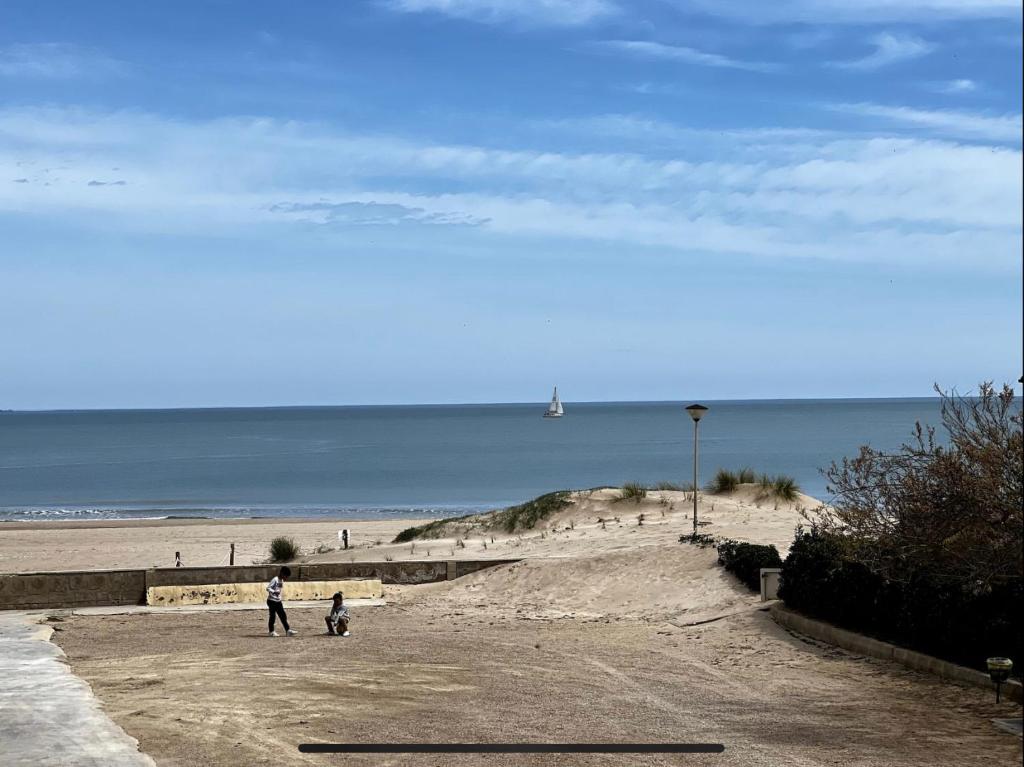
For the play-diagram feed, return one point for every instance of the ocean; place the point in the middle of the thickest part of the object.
(414, 461)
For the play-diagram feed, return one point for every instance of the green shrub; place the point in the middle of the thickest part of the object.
(745, 560)
(634, 491)
(821, 578)
(703, 540)
(526, 515)
(725, 481)
(746, 476)
(283, 549)
(438, 528)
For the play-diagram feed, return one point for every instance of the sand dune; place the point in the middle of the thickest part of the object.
(599, 521)
(595, 559)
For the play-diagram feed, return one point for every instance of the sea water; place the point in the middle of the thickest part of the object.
(364, 462)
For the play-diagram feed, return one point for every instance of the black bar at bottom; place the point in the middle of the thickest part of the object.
(511, 748)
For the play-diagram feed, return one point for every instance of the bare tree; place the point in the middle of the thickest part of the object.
(950, 511)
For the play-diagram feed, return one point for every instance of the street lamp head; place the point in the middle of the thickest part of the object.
(696, 412)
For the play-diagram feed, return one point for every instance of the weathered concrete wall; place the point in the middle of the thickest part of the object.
(387, 572)
(97, 588)
(195, 576)
(876, 648)
(231, 593)
(467, 566)
(32, 591)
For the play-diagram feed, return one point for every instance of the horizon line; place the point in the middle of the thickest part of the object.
(531, 403)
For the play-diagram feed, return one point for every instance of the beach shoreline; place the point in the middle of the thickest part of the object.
(111, 544)
(88, 524)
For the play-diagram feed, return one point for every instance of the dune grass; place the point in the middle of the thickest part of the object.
(526, 515)
(435, 529)
(785, 488)
(781, 486)
(672, 486)
(633, 491)
(725, 481)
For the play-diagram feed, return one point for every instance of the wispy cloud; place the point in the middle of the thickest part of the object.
(647, 49)
(851, 11)
(953, 87)
(971, 125)
(900, 200)
(57, 61)
(366, 214)
(532, 12)
(889, 49)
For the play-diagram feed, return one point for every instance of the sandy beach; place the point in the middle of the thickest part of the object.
(609, 629)
(112, 544)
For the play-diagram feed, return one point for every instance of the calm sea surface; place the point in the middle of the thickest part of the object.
(413, 461)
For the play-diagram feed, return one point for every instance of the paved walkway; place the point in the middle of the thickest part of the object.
(48, 716)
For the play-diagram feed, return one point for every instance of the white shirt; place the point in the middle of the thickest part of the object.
(274, 589)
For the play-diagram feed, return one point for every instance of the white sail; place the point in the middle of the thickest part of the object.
(555, 408)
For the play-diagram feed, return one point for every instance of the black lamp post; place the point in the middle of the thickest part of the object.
(696, 413)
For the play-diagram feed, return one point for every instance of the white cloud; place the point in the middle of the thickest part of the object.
(902, 200)
(366, 214)
(971, 125)
(889, 49)
(647, 49)
(955, 86)
(851, 11)
(56, 61)
(533, 12)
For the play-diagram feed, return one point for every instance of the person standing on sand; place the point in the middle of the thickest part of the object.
(274, 604)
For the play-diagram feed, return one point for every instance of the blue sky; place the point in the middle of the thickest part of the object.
(389, 201)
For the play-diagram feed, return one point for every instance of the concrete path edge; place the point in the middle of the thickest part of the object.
(51, 717)
(876, 648)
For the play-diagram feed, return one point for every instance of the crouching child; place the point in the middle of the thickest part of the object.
(337, 621)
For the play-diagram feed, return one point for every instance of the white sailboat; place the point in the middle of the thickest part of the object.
(555, 408)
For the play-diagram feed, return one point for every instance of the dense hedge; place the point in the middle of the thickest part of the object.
(745, 560)
(940, 619)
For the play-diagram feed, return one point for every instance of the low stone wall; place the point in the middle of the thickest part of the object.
(195, 576)
(876, 648)
(388, 572)
(232, 593)
(33, 591)
(99, 588)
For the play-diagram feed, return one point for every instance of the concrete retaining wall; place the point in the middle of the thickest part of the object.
(98, 588)
(231, 593)
(31, 591)
(876, 648)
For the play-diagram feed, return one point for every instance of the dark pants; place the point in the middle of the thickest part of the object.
(277, 611)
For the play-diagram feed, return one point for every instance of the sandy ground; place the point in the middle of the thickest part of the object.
(112, 544)
(600, 522)
(211, 689)
(608, 630)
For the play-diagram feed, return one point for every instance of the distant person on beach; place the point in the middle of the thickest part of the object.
(337, 621)
(274, 604)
